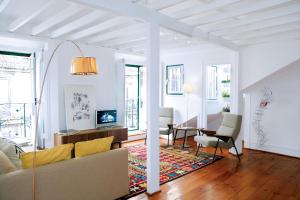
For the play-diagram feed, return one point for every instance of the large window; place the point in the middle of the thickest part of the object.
(174, 79)
(16, 99)
(212, 89)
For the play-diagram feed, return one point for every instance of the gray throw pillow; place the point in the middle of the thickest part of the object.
(9, 150)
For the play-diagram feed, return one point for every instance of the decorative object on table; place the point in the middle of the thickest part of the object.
(80, 66)
(174, 79)
(225, 136)
(174, 163)
(226, 108)
(263, 104)
(80, 106)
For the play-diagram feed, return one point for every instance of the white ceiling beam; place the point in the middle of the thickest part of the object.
(200, 8)
(129, 30)
(260, 5)
(99, 27)
(271, 38)
(61, 16)
(21, 21)
(122, 40)
(160, 5)
(256, 26)
(78, 23)
(4, 4)
(143, 13)
(252, 18)
(266, 31)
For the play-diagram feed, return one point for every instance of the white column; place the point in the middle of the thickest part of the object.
(153, 108)
(235, 106)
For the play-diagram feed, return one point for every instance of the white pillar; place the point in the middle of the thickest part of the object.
(235, 106)
(153, 108)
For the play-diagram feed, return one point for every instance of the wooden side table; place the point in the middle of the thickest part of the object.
(185, 129)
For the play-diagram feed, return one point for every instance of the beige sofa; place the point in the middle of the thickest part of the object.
(100, 176)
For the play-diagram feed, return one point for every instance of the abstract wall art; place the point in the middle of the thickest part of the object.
(80, 106)
(262, 105)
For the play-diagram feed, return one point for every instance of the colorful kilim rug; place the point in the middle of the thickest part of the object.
(174, 163)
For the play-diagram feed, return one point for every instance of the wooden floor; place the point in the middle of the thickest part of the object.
(259, 176)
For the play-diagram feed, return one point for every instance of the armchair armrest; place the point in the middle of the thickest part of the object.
(208, 132)
(171, 126)
(223, 137)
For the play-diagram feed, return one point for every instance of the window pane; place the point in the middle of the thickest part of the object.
(174, 79)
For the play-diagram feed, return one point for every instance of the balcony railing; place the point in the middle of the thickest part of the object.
(16, 120)
(131, 114)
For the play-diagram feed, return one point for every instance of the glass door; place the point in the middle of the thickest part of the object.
(132, 97)
(17, 81)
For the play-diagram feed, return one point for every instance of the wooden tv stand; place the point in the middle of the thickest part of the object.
(72, 136)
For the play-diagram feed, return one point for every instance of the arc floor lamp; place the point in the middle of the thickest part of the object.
(80, 66)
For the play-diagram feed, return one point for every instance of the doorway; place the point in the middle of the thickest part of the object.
(132, 97)
(218, 94)
(17, 106)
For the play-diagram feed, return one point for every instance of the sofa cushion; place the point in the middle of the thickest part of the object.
(9, 150)
(6, 165)
(48, 156)
(93, 146)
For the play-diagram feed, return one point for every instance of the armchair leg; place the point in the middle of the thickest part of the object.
(146, 140)
(237, 153)
(221, 150)
(198, 149)
(175, 137)
(216, 149)
(168, 138)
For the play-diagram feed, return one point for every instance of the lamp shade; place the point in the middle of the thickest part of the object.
(188, 88)
(84, 66)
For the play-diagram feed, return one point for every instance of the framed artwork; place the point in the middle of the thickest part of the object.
(174, 77)
(80, 106)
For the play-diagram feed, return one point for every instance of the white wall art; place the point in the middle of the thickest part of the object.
(263, 104)
(80, 105)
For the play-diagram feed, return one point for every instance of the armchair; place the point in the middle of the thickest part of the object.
(165, 122)
(225, 136)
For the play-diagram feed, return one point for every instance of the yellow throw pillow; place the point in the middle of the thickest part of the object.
(48, 156)
(93, 146)
(6, 165)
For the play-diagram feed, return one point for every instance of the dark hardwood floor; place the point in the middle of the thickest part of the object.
(259, 176)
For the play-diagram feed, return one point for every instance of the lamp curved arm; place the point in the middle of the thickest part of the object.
(38, 111)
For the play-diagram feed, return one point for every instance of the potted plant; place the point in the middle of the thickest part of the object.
(225, 81)
(225, 94)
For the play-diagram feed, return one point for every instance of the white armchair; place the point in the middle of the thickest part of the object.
(225, 136)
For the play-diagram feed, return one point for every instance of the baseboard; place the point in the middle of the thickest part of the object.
(273, 149)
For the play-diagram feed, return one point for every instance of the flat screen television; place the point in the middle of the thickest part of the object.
(106, 117)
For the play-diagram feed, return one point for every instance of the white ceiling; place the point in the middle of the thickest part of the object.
(238, 22)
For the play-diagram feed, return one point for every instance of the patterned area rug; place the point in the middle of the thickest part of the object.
(174, 163)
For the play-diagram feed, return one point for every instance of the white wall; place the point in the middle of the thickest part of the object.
(281, 119)
(59, 75)
(194, 63)
(258, 61)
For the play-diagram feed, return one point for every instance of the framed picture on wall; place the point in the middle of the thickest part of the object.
(174, 78)
(80, 106)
